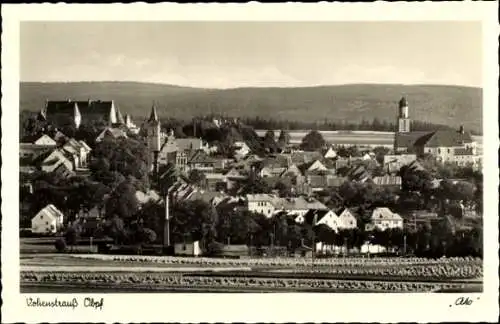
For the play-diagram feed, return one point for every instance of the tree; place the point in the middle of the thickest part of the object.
(313, 141)
(123, 201)
(115, 228)
(73, 234)
(197, 177)
(60, 244)
(254, 185)
(380, 152)
(283, 139)
(284, 190)
(269, 142)
(465, 191)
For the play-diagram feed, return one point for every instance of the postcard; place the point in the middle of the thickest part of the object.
(250, 162)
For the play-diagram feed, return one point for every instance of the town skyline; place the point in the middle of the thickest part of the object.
(253, 54)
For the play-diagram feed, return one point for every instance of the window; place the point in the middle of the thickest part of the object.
(46, 223)
(41, 216)
(439, 151)
(449, 150)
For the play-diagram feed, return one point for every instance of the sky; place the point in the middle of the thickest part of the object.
(253, 54)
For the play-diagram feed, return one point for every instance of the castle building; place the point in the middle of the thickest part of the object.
(153, 140)
(73, 113)
(448, 146)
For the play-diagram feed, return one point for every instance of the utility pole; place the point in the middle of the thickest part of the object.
(313, 252)
(166, 227)
(404, 245)
(345, 246)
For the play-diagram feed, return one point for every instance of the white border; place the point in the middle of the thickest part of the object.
(251, 307)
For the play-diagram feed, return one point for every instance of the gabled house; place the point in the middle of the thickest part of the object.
(262, 203)
(315, 167)
(47, 221)
(79, 150)
(383, 218)
(111, 132)
(274, 166)
(347, 220)
(330, 153)
(63, 171)
(358, 173)
(240, 149)
(45, 140)
(394, 162)
(317, 217)
(201, 161)
(51, 161)
(29, 152)
(302, 157)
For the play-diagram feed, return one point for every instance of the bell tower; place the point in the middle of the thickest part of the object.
(403, 118)
(153, 139)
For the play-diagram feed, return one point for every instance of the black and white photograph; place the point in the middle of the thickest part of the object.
(243, 157)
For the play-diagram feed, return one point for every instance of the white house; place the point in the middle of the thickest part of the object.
(187, 249)
(45, 140)
(110, 132)
(80, 152)
(262, 203)
(297, 206)
(48, 220)
(330, 153)
(347, 220)
(383, 218)
(54, 160)
(326, 217)
(317, 166)
(241, 149)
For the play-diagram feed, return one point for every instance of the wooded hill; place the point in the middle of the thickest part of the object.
(448, 105)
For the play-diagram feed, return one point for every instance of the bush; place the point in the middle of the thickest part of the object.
(60, 245)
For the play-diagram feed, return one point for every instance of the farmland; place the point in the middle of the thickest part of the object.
(363, 138)
(81, 272)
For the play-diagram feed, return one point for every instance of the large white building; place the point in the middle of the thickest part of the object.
(383, 218)
(48, 220)
(448, 146)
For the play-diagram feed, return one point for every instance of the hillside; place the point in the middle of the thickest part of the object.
(450, 105)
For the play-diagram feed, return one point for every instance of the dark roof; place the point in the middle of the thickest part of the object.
(201, 156)
(444, 138)
(309, 216)
(61, 112)
(464, 151)
(153, 117)
(403, 102)
(409, 139)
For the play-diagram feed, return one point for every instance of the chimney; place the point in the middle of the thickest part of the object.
(461, 129)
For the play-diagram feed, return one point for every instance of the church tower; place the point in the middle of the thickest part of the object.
(153, 139)
(403, 118)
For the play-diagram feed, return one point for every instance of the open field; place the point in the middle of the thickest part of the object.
(366, 138)
(108, 273)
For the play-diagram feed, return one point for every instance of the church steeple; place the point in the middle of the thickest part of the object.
(153, 117)
(153, 139)
(403, 116)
